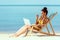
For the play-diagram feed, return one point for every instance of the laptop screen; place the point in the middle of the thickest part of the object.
(26, 21)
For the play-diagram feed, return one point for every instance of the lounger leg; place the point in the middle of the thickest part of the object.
(26, 33)
(31, 30)
(47, 29)
(52, 28)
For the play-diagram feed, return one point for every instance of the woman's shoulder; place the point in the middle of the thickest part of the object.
(47, 19)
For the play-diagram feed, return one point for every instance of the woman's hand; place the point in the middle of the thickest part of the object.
(37, 16)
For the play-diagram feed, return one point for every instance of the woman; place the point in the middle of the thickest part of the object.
(40, 23)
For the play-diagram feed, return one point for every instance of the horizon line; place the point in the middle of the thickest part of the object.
(29, 5)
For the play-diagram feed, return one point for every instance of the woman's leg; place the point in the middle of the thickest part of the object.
(22, 30)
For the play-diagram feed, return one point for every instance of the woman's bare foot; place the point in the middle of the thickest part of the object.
(14, 35)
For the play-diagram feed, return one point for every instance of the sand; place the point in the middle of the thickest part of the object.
(5, 36)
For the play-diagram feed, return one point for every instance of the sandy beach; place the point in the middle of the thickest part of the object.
(5, 36)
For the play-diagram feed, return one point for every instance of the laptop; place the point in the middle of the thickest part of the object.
(26, 21)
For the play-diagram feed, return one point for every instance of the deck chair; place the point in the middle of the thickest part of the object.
(48, 32)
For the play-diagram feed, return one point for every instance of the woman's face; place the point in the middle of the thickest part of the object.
(43, 13)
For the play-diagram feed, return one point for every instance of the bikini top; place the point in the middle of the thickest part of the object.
(40, 22)
(43, 21)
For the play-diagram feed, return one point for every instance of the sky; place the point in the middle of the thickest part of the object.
(29, 2)
(11, 17)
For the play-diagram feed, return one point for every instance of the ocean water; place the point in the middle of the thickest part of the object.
(11, 16)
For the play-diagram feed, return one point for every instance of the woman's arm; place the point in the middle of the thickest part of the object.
(37, 17)
(45, 22)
